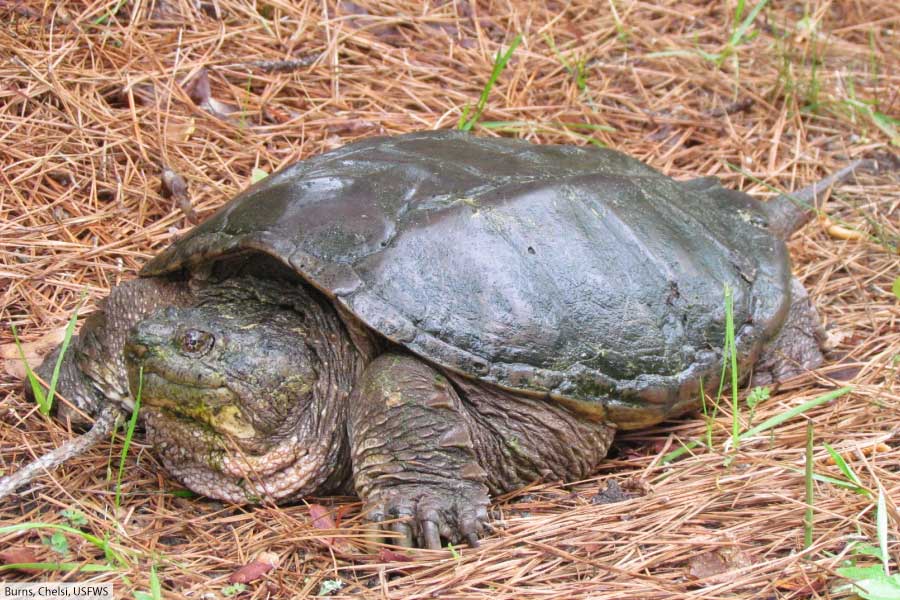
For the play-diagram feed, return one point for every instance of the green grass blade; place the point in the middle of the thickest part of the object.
(685, 448)
(793, 412)
(63, 347)
(810, 489)
(842, 464)
(738, 13)
(769, 424)
(91, 539)
(706, 416)
(129, 433)
(104, 19)
(738, 34)
(829, 480)
(881, 529)
(731, 348)
(466, 121)
(39, 397)
(63, 566)
(155, 587)
(840, 483)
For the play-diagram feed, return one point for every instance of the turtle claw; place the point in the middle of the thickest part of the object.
(405, 532)
(432, 535)
(457, 515)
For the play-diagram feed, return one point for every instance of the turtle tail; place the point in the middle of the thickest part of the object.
(789, 212)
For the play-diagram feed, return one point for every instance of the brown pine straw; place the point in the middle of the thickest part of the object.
(93, 106)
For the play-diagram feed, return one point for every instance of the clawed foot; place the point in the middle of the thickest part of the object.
(421, 515)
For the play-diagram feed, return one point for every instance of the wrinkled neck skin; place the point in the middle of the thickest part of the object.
(262, 417)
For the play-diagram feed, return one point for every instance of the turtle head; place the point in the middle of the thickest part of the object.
(233, 399)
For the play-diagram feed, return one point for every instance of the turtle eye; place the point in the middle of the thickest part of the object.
(196, 342)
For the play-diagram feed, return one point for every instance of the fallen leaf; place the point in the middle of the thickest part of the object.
(387, 555)
(38, 347)
(181, 130)
(34, 352)
(14, 556)
(802, 584)
(708, 564)
(839, 373)
(350, 126)
(256, 569)
(613, 493)
(175, 187)
(199, 90)
(321, 519)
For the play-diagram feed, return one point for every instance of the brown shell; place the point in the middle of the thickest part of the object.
(579, 273)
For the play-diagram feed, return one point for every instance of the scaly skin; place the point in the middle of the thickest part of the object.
(413, 453)
(254, 390)
(423, 450)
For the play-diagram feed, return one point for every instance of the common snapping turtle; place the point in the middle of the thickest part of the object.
(432, 318)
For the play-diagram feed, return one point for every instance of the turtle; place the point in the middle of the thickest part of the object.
(431, 319)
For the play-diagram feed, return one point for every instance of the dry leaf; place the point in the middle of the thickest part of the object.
(611, 494)
(34, 352)
(13, 556)
(708, 564)
(175, 187)
(803, 584)
(265, 562)
(180, 130)
(199, 90)
(321, 519)
(387, 555)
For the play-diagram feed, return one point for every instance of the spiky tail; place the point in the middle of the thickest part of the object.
(789, 212)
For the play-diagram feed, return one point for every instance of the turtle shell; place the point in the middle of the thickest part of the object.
(576, 273)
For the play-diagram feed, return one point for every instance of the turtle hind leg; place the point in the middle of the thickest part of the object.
(412, 451)
(797, 347)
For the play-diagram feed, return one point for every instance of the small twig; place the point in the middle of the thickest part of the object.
(103, 427)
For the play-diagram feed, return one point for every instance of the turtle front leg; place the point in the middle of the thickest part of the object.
(413, 454)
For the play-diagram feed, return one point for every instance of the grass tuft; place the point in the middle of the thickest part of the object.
(467, 121)
(809, 487)
(45, 401)
(129, 434)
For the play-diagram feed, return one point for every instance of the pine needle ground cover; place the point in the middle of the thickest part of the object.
(123, 123)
